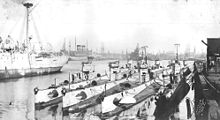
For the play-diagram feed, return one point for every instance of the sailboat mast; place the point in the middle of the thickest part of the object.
(27, 5)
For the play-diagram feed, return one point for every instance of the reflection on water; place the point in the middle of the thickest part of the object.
(53, 110)
(17, 96)
(50, 113)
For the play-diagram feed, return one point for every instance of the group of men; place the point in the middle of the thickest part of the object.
(9, 45)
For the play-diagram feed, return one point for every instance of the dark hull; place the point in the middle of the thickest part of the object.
(18, 73)
(39, 106)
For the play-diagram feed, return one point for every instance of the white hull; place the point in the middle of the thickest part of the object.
(14, 65)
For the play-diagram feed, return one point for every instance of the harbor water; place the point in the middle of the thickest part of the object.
(17, 96)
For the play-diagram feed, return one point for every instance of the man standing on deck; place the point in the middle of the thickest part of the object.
(9, 44)
(1, 42)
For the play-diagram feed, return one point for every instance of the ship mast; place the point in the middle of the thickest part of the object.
(75, 44)
(177, 57)
(28, 5)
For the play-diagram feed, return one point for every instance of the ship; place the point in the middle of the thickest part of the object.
(81, 52)
(207, 88)
(22, 61)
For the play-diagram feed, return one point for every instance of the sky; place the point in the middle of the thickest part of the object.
(117, 24)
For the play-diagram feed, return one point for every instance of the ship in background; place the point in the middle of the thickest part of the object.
(21, 60)
(81, 53)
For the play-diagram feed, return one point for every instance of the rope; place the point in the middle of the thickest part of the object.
(37, 32)
(21, 35)
(208, 82)
(35, 26)
(14, 26)
(35, 6)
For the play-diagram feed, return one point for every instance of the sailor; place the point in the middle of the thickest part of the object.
(8, 39)
(1, 42)
(9, 43)
(1, 39)
(126, 65)
(73, 78)
(23, 47)
(150, 74)
(171, 78)
(130, 73)
(143, 77)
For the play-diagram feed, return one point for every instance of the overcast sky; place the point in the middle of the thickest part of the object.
(118, 24)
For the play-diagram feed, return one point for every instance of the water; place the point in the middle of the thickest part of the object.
(17, 96)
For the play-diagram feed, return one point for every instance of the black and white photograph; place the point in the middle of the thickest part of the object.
(109, 60)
